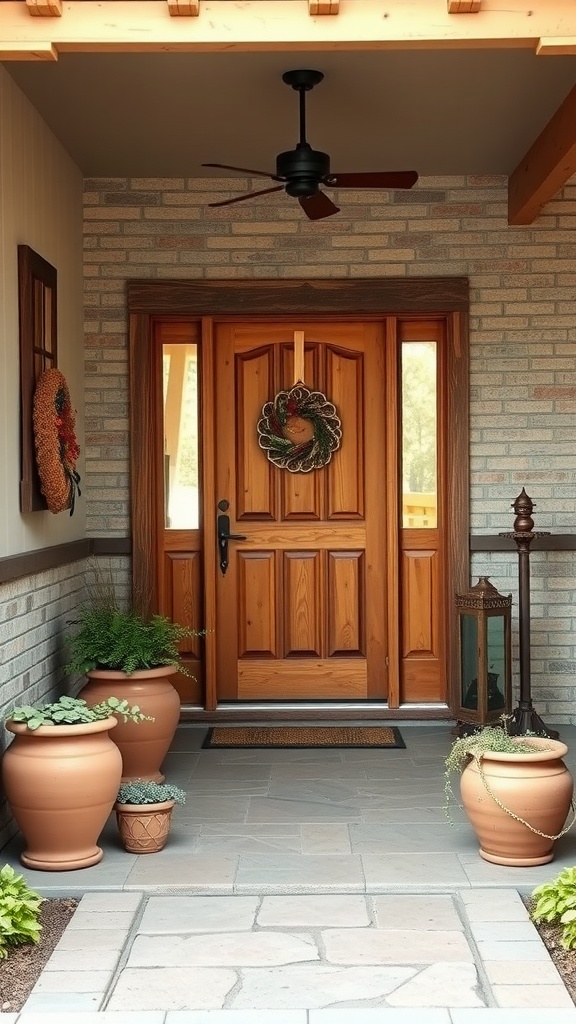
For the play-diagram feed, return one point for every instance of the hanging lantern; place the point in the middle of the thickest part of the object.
(485, 678)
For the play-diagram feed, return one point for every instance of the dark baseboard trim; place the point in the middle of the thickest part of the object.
(15, 567)
(553, 542)
(101, 546)
(336, 714)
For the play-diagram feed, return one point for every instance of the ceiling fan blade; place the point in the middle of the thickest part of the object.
(244, 170)
(248, 195)
(318, 205)
(373, 179)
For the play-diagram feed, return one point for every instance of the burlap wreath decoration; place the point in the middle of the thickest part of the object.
(299, 430)
(56, 447)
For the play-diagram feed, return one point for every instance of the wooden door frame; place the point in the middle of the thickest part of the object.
(361, 298)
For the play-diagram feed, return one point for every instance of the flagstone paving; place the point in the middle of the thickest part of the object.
(322, 887)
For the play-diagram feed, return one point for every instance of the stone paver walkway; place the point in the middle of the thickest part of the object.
(302, 887)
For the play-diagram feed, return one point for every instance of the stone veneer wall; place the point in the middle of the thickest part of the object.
(523, 341)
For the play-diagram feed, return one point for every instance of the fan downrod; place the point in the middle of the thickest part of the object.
(302, 78)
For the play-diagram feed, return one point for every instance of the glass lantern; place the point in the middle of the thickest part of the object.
(485, 679)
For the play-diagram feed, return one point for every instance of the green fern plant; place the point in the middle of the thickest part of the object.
(19, 911)
(109, 638)
(555, 902)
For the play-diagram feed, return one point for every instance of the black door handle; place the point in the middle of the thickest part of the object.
(224, 536)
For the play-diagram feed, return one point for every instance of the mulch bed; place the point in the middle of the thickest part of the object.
(20, 972)
(563, 959)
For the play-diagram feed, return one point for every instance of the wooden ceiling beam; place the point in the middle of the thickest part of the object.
(323, 6)
(464, 6)
(184, 8)
(45, 8)
(546, 167)
(133, 26)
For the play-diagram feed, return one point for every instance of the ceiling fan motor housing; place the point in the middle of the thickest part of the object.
(304, 168)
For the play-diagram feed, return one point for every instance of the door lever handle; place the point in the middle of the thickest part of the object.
(224, 536)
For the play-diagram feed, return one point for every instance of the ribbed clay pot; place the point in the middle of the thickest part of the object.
(536, 787)
(61, 782)
(143, 745)
(144, 828)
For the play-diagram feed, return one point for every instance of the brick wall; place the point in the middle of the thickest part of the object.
(34, 613)
(523, 340)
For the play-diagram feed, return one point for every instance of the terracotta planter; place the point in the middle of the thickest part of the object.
(144, 828)
(535, 787)
(61, 782)
(143, 745)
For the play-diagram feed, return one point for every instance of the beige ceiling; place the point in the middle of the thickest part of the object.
(437, 112)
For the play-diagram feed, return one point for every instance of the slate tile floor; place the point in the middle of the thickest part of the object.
(340, 886)
(307, 821)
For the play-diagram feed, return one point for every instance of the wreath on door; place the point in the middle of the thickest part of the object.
(57, 449)
(299, 429)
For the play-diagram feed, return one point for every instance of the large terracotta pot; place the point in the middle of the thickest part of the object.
(144, 828)
(61, 782)
(143, 745)
(535, 787)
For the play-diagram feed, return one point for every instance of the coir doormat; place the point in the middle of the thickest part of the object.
(308, 736)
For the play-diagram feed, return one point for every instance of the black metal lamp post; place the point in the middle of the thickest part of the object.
(524, 718)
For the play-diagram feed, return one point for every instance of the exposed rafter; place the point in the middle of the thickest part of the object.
(184, 8)
(323, 6)
(464, 6)
(548, 164)
(140, 26)
(45, 8)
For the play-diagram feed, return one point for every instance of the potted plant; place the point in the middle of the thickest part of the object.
(61, 774)
(516, 792)
(144, 814)
(132, 657)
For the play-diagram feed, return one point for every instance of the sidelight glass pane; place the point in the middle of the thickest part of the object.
(181, 470)
(419, 435)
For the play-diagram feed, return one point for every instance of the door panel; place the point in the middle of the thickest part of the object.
(301, 610)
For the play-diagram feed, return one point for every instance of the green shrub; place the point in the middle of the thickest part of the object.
(19, 911)
(556, 902)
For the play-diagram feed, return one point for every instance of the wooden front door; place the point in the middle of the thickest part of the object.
(301, 611)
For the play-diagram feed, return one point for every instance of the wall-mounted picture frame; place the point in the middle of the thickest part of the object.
(37, 304)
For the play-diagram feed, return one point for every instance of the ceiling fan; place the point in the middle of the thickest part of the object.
(302, 170)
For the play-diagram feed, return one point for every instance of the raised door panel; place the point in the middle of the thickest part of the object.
(345, 473)
(255, 493)
(257, 603)
(183, 602)
(423, 673)
(346, 581)
(301, 600)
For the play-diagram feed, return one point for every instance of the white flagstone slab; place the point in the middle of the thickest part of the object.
(445, 984)
(246, 949)
(173, 914)
(316, 986)
(172, 988)
(422, 912)
(310, 911)
(389, 946)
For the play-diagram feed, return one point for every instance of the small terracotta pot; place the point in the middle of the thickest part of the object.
(61, 782)
(143, 745)
(536, 787)
(144, 828)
